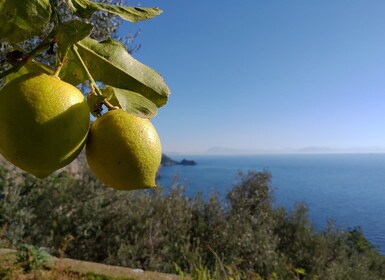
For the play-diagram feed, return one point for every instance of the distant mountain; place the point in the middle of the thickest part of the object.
(304, 150)
(316, 149)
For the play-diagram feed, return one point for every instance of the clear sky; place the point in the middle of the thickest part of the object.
(268, 74)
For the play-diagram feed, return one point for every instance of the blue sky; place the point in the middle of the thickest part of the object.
(268, 75)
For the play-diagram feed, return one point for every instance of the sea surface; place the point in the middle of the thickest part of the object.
(346, 188)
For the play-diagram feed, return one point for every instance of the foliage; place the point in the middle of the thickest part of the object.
(54, 40)
(105, 26)
(32, 258)
(72, 40)
(70, 213)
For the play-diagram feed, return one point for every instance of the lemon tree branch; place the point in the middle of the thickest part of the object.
(26, 58)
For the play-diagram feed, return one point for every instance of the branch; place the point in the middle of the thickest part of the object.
(25, 59)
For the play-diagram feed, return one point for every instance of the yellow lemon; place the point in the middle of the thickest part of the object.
(44, 123)
(124, 151)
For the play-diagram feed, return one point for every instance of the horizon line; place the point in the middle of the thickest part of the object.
(305, 150)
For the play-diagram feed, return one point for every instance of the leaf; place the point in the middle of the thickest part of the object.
(110, 63)
(69, 33)
(72, 72)
(130, 102)
(300, 271)
(30, 67)
(21, 20)
(85, 8)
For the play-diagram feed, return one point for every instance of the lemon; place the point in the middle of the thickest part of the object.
(124, 151)
(44, 123)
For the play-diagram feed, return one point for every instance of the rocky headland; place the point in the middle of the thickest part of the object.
(167, 161)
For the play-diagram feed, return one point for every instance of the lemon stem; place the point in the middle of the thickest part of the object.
(58, 68)
(60, 62)
(94, 87)
(109, 105)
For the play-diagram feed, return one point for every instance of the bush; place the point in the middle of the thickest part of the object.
(71, 214)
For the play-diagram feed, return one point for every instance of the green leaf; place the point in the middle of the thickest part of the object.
(131, 102)
(21, 20)
(300, 271)
(69, 33)
(30, 67)
(85, 8)
(72, 72)
(110, 63)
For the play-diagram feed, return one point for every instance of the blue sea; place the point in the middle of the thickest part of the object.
(346, 188)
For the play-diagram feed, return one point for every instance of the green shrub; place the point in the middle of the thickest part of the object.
(72, 214)
(32, 258)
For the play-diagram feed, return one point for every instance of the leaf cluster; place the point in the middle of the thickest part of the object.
(31, 258)
(72, 40)
(243, 237)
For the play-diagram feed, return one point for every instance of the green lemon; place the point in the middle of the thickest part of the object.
(124, 151)
(23, 19)
(44, 123)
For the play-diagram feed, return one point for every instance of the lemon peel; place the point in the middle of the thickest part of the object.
(124, 151)
(44, 123)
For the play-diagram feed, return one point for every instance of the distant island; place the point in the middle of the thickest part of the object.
(167, 161)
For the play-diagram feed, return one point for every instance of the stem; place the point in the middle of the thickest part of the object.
(60, 63)
(94, 87)
(93, 84)
(219, 260)
(58, 21)
(10, 71)
(38, 50)
(58, 69)
(109, 105)
(25, 59)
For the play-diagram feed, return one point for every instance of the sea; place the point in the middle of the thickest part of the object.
(348, 189)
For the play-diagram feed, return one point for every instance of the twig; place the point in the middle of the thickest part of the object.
(219, 260)
(25, 59)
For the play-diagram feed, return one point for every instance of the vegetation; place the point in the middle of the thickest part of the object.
(47, 127)
(34, 263)
(105, 26)
(72, 214)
